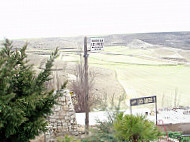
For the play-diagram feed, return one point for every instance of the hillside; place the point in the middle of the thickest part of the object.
(136, 65)
(180, 40)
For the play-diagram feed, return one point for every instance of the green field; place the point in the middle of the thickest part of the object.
(142, 74)
(135, 64)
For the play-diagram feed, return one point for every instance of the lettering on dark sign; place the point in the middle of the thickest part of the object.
(141, 101)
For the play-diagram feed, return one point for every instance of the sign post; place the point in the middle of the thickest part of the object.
(96, 44)
(143, 100)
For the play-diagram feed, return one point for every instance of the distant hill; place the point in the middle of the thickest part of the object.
(179, 40)
(169, 39)
(136, 43)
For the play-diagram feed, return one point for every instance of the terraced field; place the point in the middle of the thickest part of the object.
(135, 65)
(146, 72)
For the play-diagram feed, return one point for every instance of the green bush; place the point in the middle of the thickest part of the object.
(104, 132)
(24, 99)
(67, 138)
(135, 128)
(174, 135)
(185, 139)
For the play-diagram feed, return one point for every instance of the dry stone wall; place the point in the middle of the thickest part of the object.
(63, 120)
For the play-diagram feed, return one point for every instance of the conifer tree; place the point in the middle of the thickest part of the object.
(24, 99)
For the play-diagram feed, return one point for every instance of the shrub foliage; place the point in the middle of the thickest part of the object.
(24, 99)
(135, 128)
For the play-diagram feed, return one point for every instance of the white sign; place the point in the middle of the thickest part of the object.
(97, 44)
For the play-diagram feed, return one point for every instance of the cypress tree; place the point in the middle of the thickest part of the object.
(24, 99)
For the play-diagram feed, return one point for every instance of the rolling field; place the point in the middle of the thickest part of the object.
(136, 65)
(143, 73)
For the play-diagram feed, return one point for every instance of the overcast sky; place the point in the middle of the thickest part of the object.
(57, 18)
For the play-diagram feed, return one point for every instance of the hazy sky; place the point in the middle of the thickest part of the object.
(55, 18)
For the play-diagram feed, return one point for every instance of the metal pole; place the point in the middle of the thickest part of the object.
(86, 85)
(156, 109)
(131, 113)
(130, 109)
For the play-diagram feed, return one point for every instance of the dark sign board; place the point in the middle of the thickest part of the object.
(141, 101)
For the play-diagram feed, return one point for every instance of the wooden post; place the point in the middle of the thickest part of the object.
(86, 85)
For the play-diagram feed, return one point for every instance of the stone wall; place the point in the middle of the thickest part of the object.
(63, 120)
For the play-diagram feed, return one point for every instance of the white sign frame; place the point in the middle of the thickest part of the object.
(96, 44)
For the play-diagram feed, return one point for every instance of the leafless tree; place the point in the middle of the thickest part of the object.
(78, 87)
